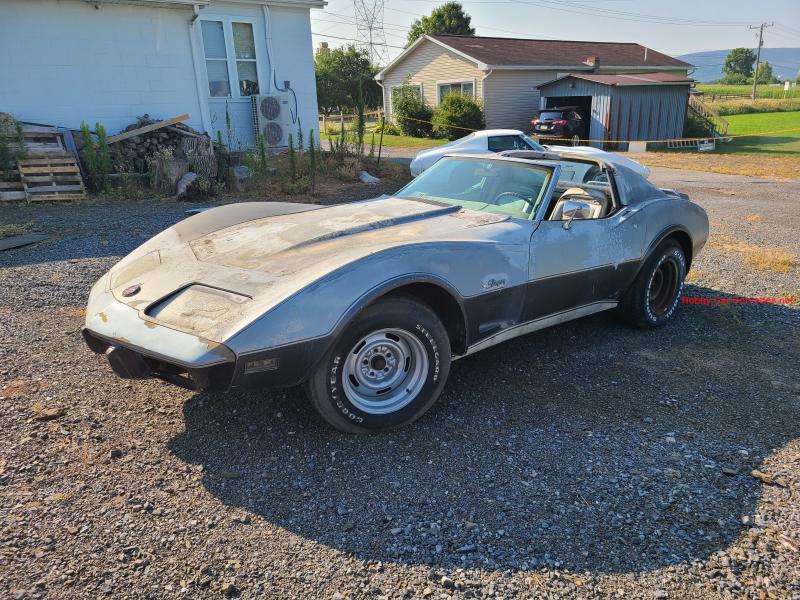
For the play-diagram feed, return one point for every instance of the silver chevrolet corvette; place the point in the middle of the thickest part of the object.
(368, 303)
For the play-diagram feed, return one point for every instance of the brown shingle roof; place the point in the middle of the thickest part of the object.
(628, 79)
(521, 52)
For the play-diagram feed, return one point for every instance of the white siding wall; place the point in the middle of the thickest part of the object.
(294, 60)
(65, 62)
(512, 99)
(427, 64)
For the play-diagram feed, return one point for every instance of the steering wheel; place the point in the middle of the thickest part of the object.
(517, 195)
(595, 175)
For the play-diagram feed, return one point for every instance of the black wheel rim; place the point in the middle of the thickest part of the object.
(664, 287)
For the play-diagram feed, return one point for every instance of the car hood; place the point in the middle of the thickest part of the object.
(214, 283)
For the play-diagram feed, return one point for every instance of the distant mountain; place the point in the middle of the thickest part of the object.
(785, 62)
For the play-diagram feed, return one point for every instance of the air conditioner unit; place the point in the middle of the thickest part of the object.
(272, 119)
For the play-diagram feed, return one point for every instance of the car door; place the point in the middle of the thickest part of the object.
(587, 265)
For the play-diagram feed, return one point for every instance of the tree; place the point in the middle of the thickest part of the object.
(765, 74)
(739, 62)
(345, 80)
(448, 18)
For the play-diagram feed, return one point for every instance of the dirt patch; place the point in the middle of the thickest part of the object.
(759, 258)
(754, 165)
(754, 218)
(19, 388)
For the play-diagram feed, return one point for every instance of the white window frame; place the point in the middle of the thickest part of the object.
(473, 81)
(230, 52)
(392, 88)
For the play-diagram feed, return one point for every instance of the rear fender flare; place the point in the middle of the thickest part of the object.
(664, 234)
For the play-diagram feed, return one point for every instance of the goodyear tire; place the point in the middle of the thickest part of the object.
(385, 370)
(654, 297)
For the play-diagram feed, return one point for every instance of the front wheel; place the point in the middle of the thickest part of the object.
(385, 370)
(655, 294)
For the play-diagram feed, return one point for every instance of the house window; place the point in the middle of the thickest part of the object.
(465, 88)
(245, 46)
(397, 91)
(410, 88)
(230, 52)
(216, 58)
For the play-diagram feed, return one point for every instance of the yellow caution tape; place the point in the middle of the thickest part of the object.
(687, 139)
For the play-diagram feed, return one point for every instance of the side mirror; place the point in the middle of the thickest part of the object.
(575, 209)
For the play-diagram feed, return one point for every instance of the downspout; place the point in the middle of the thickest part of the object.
(268, 29)
(202, 100)
(483, 93)
(383, 95)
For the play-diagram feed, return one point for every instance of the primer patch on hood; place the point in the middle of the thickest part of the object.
(250, 245)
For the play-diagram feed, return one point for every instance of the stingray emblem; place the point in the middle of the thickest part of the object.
(493, 281)
(131, 290)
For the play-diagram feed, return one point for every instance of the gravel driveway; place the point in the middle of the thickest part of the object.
(588, 460)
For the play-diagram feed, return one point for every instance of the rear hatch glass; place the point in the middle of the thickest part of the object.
(550, 116)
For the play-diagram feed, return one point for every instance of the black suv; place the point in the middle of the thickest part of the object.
(562, 122)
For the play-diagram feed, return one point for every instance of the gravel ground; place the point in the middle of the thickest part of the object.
(584, 461)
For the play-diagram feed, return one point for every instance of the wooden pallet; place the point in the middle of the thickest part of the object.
(40, 139)
(12, 190)
(51, 177)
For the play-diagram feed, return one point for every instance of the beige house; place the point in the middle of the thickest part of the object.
(503, 73)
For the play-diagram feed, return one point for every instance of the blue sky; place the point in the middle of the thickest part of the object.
(674, 27)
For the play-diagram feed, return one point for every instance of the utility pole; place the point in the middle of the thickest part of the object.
(758, 52)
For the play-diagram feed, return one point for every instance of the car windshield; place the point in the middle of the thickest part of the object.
(551, 115)
(489, 185)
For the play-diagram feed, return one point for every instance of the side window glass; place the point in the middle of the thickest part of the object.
(499, 143)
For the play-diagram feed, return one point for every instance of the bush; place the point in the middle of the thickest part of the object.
(388, 128)
(412, 115)
(11, 133)
(456, 116)
(96, 157)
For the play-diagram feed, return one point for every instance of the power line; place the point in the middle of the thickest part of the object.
(629, 16)
(347, 39)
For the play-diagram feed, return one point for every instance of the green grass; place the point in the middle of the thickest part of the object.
(764, 91)
(787, 143)
(399, 141)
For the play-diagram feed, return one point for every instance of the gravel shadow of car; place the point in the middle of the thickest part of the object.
(587, 446)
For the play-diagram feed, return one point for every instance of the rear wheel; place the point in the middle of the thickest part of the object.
(385, 370)
(655, 294)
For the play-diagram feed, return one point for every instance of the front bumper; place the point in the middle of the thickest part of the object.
(129, 363)
(286, 366)
(139, 348)
(549, 132)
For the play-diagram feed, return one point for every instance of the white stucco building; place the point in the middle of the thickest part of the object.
(109, 61)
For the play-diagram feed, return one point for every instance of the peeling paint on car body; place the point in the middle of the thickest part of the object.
(237, 281)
